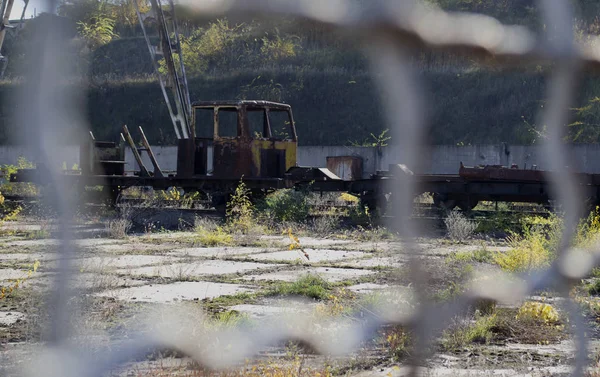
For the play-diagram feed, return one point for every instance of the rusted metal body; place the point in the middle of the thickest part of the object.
(102, 158)
(243, 139)
(348, 168)
(498, 172)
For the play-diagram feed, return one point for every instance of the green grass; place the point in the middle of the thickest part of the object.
(312, 286)
(463, 334)
(214, 237)
(480, 255)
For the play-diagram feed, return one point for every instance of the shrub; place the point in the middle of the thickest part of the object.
(538, 312)
(214, 237)
(588, 230)
(118, 228)
(458, 226)
(535, 248)
(286, 205)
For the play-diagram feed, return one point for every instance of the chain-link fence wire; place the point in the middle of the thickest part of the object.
(390, 31)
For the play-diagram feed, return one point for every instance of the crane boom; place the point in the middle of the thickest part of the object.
(180, 105)
(5, 11)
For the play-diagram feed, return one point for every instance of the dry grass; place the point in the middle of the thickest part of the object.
(266, 368)
(459, 228)
(118, 228)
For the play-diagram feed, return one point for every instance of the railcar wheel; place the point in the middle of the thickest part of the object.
(468, 204)
(442, 201)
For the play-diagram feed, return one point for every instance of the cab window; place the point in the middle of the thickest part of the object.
(228, 122)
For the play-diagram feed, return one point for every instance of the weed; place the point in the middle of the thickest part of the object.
(286, 205)
(480, 255)
(459, 227)
(361, 214)
(118, 228)
(295, 244)
(207, 224)
(456, 284)
(464, 332)
(312, 286)
(526, 253)
(397, 342)
(336, 305)
(216, 237)
(530, 328)
(588, 230)
(240, 209)
(594, 287)
(325, 225)
(538, 312)
(230, 318)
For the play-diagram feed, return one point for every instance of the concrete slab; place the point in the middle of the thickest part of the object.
(23, 257)
(315, 255)
(307, 241)
(169, 236)
(367, 287)
(222, 252)
(32, 243)
(132, 247)
(258, 311)
(389, 262)
(200, 268)
(9, 318)
(329, 274)
(86, 281)
(11, 273)
(180, 291)
(123, 261)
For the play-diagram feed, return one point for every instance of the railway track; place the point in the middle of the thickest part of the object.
(203, 208)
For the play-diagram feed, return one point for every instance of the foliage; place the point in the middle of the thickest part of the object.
(482, 255)
(295, 244)
(240, 209)
(286, 205)
(594, 287)
(24, 189)
(397, 341)
(361, 214)
(312, 286)
(204, 47)
(459, 228)
(533, 249)
(503, 221)
(277, 47)
(336, 305)
(380, 140)
(97, 27)
(538, 312)
(464, 332)
(588, 229)
(214, 237)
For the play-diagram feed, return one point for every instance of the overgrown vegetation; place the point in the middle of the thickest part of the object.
(312, 286)
(286, 205)
(323, 75)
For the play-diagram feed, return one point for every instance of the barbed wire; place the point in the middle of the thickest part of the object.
(389, 31)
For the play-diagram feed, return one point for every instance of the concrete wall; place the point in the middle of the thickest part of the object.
(440, 159)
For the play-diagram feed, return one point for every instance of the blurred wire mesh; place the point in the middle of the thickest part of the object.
(390, 32)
